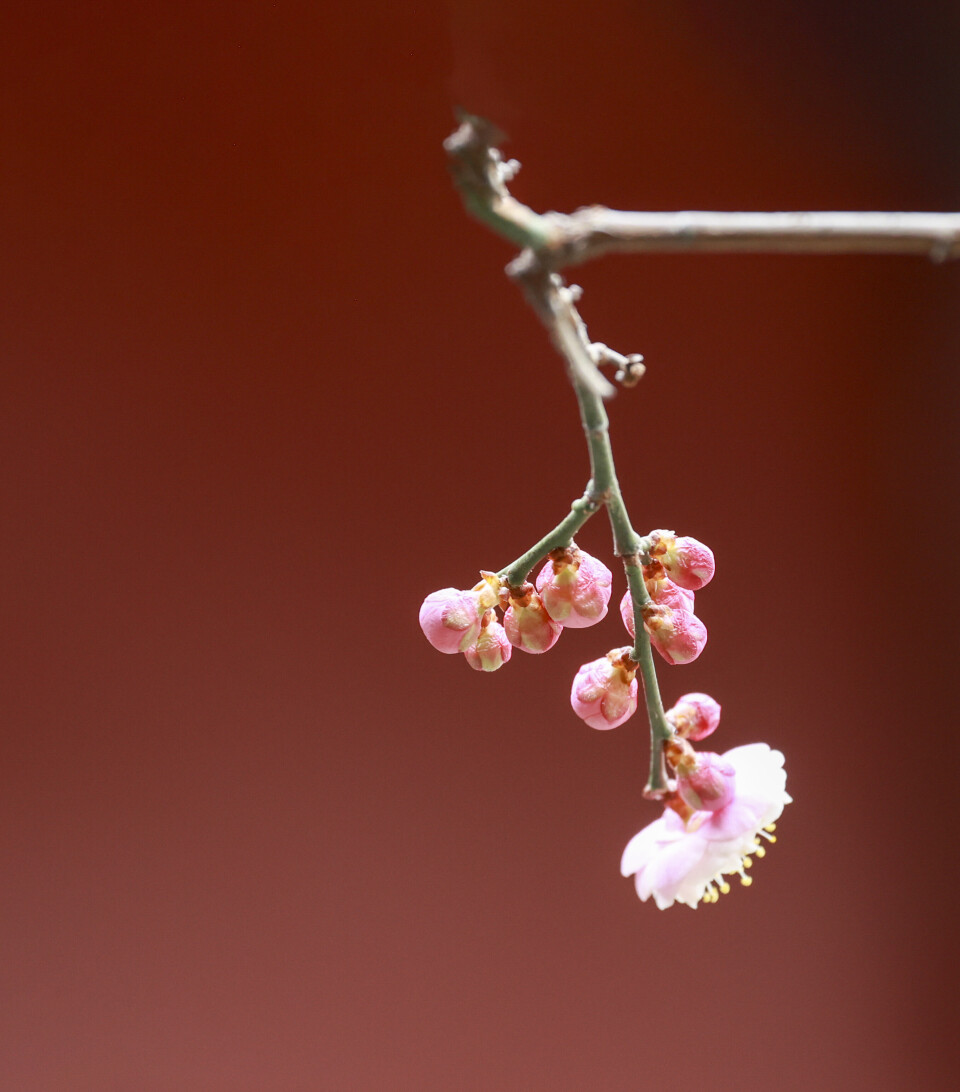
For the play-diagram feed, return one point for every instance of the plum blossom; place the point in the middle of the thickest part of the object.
(686, 861)
(663, 592)
(450, 619)
(675, 631)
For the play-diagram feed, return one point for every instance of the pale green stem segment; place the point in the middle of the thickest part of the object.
(660, 730)
(604, 489)
(562, 535)
(629, 546)
(480, 175)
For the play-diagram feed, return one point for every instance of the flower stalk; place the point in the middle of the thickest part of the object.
(627, 545)
(581, 510)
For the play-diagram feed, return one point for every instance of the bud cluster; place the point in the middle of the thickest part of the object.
(719, 809)
(572, 591)
(678, 567)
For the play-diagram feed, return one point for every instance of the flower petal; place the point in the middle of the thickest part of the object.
(641, 847)
(673, 868)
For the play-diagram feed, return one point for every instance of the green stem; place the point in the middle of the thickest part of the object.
(627, 545)
(478, 174)
(562, 535)
(660, 730)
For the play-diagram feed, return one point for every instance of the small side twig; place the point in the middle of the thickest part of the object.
(552, 241)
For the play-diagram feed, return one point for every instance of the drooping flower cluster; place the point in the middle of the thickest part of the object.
(572, 591)
(678, 567)
(718, 809)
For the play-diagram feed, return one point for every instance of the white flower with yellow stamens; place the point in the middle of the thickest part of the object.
(677, 861)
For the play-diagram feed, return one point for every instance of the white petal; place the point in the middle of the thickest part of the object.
(676, 866)
(642, 846)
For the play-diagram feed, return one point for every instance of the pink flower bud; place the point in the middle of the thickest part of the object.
(662, 590)
(685, 560)
(678, 635)
(491, 650)
(604, 692)
(575, 587)
(694, 716)
(626, 613)
(527, 624)
(450, 619)
(710, 785)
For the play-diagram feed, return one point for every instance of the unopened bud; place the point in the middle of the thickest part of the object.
(527, 624)
(709, 786)
(695, 716)
(450, 619)
(604, 691)
(626, 613)
(491, 650)
(685, 560)
(662, 590)
(575, 587)
(678, 635)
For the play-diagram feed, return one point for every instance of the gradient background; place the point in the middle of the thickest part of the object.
(265, 386)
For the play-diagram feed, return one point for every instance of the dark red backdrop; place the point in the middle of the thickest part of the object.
(265, 386)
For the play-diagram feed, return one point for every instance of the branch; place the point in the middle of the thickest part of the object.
(551, 241)
(562, 535)
(555, 304)
(590, 232)
(560, 240)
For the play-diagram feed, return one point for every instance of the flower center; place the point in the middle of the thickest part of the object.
(718, 886)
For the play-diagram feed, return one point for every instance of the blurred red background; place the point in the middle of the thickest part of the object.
(265, 386)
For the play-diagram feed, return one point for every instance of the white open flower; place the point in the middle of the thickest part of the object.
(676, 861)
